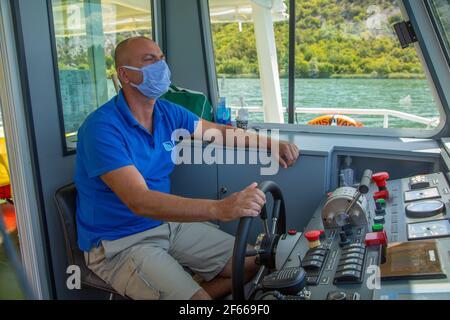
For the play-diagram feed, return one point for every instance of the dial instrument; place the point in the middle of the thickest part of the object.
(429, 229)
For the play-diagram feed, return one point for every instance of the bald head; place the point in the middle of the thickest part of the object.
(137, 52)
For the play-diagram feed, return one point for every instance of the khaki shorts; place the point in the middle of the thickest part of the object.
(149, 265)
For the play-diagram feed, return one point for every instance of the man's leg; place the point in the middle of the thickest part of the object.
(221, 285)
(146, 272)
(207, 251)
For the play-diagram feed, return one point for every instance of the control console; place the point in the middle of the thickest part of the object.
(347, 238)
(415, 205)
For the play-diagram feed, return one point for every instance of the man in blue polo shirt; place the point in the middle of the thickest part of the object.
(136, 235)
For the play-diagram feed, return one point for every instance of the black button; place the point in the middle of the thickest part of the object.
(315, 257)
(355, 245)
(353, 256)
(349, 276)
(312, 265)
(317, 252)
(355, 267)
(311, 280)
(378, 220)
(351, 261)
(355, 250)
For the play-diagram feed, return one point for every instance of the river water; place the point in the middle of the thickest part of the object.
(405, 95)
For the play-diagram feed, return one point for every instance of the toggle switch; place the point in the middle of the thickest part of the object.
(378, 220)
(343, 239)
(380, 202)
(378, 239)
(384, 194)
(377, 228)
(380, 179)
(379, 209)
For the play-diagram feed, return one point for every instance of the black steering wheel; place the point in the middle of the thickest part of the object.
(266, 243)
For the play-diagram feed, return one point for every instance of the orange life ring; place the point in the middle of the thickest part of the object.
(337, 119)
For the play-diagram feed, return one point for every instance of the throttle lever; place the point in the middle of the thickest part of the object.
(362, 189)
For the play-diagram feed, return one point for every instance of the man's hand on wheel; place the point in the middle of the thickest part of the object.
(245, 203)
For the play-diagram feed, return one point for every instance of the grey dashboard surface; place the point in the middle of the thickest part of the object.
(323, 144)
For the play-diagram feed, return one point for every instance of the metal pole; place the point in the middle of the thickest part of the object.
(291, 85)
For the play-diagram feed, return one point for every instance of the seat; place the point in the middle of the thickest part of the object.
(65, 199)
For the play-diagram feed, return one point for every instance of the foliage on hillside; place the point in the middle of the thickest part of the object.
(334, 38)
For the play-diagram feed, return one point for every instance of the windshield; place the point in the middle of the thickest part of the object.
(349, 66)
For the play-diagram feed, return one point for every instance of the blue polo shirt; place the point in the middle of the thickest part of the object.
(111, 138)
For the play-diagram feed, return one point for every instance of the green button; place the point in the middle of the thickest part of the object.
(382, 202)
(377, 227)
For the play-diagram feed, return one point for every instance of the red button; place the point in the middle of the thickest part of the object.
(376, 238)
(384, 194)
(314, 235)
(292, 232)
(380, 178)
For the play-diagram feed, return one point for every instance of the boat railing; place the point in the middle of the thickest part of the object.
(385, 113)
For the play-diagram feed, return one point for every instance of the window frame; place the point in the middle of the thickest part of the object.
(436, 25)
(406, 7)
(66, 150)
(22, 154)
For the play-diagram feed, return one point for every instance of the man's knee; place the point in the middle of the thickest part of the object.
(201, 295)
(250, 263)
(250, 267)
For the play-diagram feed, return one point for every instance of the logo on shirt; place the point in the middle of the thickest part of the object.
(168, 146)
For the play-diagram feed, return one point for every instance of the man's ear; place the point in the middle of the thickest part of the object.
(122, 75)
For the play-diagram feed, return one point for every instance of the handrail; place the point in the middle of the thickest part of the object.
(386, 113)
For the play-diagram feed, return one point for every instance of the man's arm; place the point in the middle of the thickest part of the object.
(129, 185)
(288, 152)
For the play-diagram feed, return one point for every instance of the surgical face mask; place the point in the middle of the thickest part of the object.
(156, 79)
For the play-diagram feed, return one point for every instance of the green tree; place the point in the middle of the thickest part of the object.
(332, 38)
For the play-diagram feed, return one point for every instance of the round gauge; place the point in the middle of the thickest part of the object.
(429, 229)
(424, 209)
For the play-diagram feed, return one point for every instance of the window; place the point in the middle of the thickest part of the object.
(86, 33)
(349, 66)
(244, 49)
(348, 57)
(441, 12)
